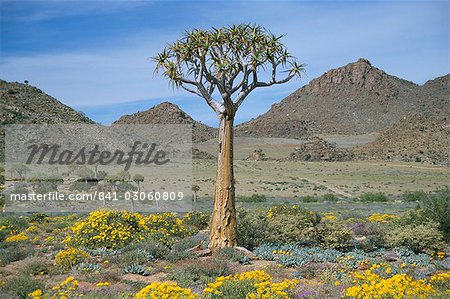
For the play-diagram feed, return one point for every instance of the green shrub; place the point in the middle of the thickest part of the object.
(413, 196)
(333, 235)
(196, 220)
(185, 244)
(37, 266)
(253, 198)
(87, 268)
(21, 286)
(153, 247)
(199, 272)
(309, 198)
(251, 227)
(290, 224)
(175, 256)
(424, 237)
(11, 224)
(39, 217)
(236, 289)
(12, 252)
(135, 256)
(436, 206)
(414, 217)
(329, 197)
(110, 229)
(281, 224)
(233, 255)
(373, 197)
(70, 257)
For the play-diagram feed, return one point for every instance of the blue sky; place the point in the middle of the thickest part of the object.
(94, 55)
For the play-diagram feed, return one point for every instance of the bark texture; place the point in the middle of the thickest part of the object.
(223, 222)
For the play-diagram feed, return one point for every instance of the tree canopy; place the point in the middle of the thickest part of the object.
(229, 60)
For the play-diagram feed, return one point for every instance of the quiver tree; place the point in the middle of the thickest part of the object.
(223, 66)
(138, 179)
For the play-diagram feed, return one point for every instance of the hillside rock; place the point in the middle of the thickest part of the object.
(439, 90)
(354, 99)
(168, 113)
(415, 138)
(318, 149)
(257, 155)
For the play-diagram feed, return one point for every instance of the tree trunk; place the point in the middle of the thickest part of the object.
(223, 221)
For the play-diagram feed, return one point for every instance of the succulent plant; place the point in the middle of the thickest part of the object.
(87, 267)
(136, 269)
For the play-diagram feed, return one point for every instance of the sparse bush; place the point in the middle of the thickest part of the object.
(21, 286)
(37, 266)
(199, 273)
(12, 252)
(373, 197)
(233, 255)
(185, 244)
(370, 235)
(309, 198)
(175, 256)
(414, 196)
(425, 237)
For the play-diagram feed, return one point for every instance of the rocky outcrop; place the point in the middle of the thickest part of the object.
(318, 149)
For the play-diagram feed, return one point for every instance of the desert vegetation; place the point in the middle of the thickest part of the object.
(341, 190)
(296, 252)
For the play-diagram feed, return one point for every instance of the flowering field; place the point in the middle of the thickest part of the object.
(300, 253)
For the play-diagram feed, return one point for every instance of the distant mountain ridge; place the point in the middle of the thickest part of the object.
(25, 104)
(168, 113)
(354, 99)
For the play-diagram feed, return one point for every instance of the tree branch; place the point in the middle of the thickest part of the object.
(244, 93)
(203, 93)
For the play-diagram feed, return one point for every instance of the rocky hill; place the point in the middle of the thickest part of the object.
(354, 99)
(168, 113)
(437, 89)
(317, 149)
(26, 104)
(415, 138)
